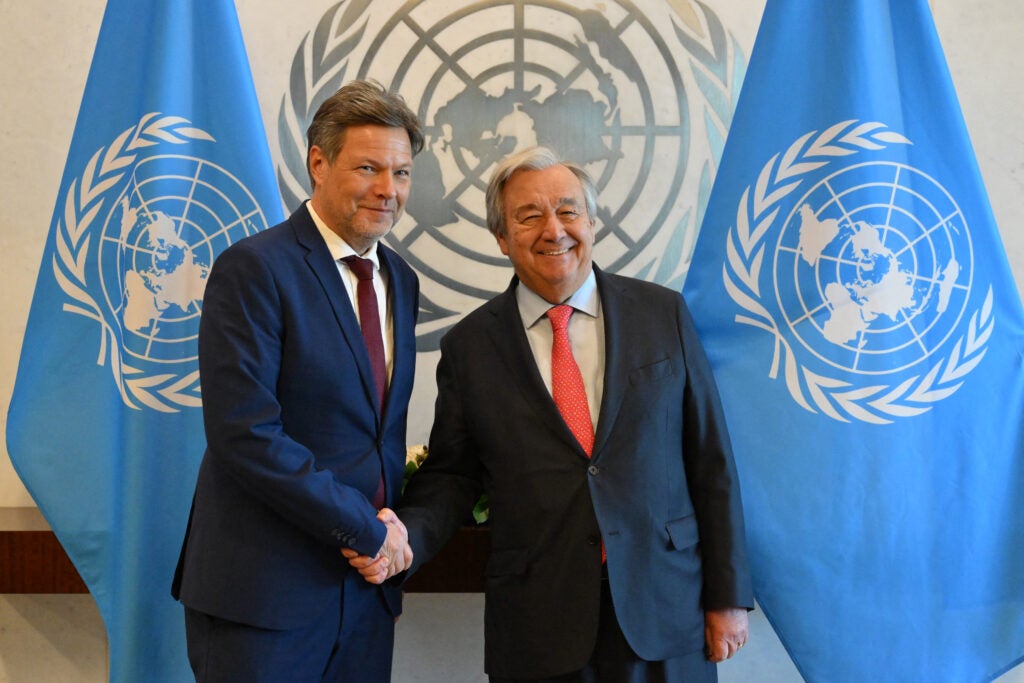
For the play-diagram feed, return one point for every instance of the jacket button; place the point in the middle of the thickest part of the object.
(594, 470)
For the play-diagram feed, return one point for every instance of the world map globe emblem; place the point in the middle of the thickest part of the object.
(630, 90)
(158, 242)
(873, 268)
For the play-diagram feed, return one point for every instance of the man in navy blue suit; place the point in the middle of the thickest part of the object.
(617, 536)
(306, 377)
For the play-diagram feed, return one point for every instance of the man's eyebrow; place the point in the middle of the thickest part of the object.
(533, 206)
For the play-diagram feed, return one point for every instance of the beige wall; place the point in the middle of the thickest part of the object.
(48, 46)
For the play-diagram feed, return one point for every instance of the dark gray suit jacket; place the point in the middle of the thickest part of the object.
(660, 489)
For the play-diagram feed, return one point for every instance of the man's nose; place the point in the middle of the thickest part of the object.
(553, 227)
(386, 185)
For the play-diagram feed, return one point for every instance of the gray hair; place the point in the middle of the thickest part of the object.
(359, 103)
(531, 159)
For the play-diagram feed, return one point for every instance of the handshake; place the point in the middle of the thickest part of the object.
(394, 557)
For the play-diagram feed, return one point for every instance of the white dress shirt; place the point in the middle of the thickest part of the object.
(339, 249)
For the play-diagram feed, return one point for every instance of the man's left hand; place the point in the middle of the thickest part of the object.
(725, 632)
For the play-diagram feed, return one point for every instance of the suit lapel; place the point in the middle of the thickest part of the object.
(403, 317)
(513, 349)
(615, 303)
(325, 270)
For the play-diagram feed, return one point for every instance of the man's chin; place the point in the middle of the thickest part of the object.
(374, 231)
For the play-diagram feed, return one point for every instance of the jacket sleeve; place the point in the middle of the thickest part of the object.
(441, 494)
(713, 481)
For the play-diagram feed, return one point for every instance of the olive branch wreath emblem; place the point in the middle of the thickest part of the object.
(324, 58)
(709, 61)
(85, 198)
(329, 46)
(756, 212)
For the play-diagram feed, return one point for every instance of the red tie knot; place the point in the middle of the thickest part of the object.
(559, 316)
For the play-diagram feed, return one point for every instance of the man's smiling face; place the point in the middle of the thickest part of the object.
(549, 234)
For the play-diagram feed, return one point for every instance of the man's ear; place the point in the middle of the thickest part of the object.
(318, 164)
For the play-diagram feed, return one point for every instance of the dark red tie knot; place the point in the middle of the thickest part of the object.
(362, 267)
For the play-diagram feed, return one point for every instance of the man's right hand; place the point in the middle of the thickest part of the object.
(394, 557)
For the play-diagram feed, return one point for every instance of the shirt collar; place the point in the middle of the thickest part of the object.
(533, 307)
(338, 247)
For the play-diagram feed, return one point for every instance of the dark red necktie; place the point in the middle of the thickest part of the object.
(369, 323)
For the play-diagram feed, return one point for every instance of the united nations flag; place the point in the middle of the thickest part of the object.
(168, 166)
(856, 303)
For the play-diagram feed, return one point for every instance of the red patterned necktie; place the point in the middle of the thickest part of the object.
(567, 385)
(369, 323)
(567, 382)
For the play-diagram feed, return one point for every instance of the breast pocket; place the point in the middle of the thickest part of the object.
(653, 372)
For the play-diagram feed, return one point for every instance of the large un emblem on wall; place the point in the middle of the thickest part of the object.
(641, 96)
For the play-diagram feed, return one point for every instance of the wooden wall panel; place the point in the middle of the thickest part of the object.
(34, 562)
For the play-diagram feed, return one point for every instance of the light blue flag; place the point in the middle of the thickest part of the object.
(855, 300)
(168, 166)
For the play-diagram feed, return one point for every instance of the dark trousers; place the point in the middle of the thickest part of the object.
(354, 644)
(614, 661)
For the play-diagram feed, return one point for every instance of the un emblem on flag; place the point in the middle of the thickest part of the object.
(637, 92)
(134, 247)
(872, 268)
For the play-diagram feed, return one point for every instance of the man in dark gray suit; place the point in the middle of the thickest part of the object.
(618, 553)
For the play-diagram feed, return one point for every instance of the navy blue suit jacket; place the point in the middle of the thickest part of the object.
(660, 488)
(296, 440)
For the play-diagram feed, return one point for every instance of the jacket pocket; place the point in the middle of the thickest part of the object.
(683, 532)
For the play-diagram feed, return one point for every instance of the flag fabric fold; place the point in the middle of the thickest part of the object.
(853, 294)
(168, 165)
